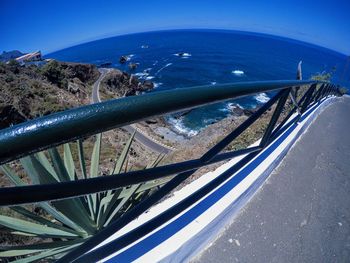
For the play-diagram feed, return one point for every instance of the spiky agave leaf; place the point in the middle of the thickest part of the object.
(48, 208)
(62, 218)
(123, 196)
(11, 175)
(121, 160)
(68, 161)
(72, 208)
(111, 210)
(73, 213)
(110, 197)
(88, 198)
(26, 213)
(95, 157)
(58, 165)
(46, 163)
(81, 158)
(82, 164)
(15, 251)
(94, 170)
(47, 254)
(34, 228)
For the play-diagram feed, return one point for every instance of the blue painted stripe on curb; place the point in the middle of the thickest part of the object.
(172, 228)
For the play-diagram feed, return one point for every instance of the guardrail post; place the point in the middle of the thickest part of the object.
(274, 118)
(308, 97)
(319, 93)
(324, 90)
(315, 95)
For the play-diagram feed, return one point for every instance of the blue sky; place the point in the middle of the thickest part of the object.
(49, 25)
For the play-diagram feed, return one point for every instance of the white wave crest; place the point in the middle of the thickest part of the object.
(183, 54)
(144, 74)
(238, 72)
(225, 109)
(210, 121)
(141, 75)
(233, 105)
(157, 84)
(129, 57)
(180, 127)
(213, 83)
(262, 98)
(167, 65)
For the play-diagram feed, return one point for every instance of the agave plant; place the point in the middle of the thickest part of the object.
(69, 222)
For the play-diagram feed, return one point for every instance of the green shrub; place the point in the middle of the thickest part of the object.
(343, 91)
(54, 73)
(14, 66)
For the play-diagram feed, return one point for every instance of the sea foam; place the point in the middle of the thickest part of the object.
(232, 105)
(261, 98)
(129, 57)
(180, 127)
(183, 55)
(167, 65)
(238, 72)
(141, 75)
(157, 84)
(144, 74)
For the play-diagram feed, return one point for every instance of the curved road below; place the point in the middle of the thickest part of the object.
(145, 140)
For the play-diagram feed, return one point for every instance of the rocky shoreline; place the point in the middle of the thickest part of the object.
(62, 85)
(33, 91)
(159, 127)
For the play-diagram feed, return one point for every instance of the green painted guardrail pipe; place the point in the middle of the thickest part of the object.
(51, 130)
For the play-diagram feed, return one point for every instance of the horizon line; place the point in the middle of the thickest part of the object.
(112, 35)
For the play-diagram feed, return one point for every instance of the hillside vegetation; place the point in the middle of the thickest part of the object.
(29, 92)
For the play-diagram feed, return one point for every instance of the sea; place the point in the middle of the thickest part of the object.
(184, 58)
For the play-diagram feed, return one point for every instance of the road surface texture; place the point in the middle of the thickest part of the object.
(302, 212)
(151, 144)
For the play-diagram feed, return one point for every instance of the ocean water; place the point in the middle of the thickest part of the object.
(209, 57)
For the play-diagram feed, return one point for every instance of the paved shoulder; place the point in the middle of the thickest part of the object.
(302, 212)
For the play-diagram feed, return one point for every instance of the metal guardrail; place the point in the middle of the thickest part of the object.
(43, 133)
(55, 129)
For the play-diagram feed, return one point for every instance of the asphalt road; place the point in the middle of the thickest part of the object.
(302, 212)
(95, 97)
(151, 144)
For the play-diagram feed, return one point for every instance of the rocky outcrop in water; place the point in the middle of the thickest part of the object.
(237, 111)
(123, 59)
(123, 84)
(133, 66)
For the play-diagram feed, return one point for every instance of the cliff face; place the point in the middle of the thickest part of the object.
(29, 92)
(122, 84)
